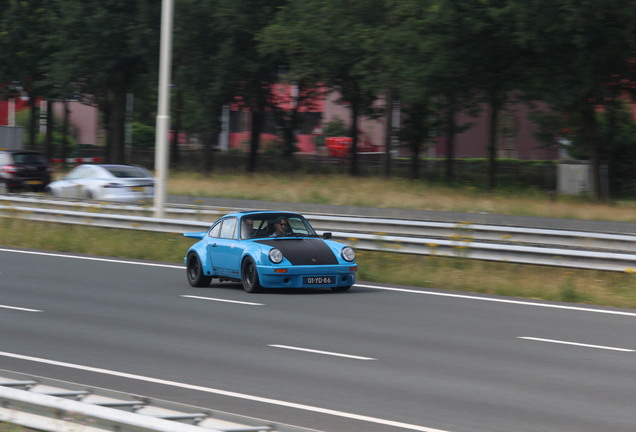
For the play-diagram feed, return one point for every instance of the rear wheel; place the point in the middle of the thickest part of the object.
(249, 277)
(3, 188)
(194, 272)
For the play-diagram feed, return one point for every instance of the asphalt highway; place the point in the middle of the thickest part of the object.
(374, 359)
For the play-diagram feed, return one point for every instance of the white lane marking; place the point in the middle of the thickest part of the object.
(321, 352)
(496, 300)
(576, 344)
(412, 291)
(20, 308)
(227, 393)
(93, 258)
(222, 300)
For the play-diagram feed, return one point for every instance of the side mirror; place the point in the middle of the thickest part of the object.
(326, 235)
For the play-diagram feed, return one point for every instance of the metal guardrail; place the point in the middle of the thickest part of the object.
(563, 248)
(58, 406)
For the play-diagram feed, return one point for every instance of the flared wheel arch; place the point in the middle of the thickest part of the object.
(251, 282)
(194, 271)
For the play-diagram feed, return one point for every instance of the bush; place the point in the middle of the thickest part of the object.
(143, 136)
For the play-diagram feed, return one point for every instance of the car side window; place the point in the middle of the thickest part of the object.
(89, 172)
(215, 230)
(228, 229)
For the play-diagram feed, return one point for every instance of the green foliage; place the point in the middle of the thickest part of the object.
(336, 128)
(57, 136)
(143, 136)
(437, 57)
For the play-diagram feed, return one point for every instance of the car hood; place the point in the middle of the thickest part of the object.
(303, 251)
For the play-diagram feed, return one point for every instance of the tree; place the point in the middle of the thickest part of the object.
(198, 73)
(584, 63)
(248, 72)
(476, 38)
(26, 47)
(327, 42)
(106, 48)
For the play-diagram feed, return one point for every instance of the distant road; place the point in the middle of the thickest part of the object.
(375, 359)
(441, 216)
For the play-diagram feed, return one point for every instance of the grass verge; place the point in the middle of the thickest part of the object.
(396, 193)
(458, 274)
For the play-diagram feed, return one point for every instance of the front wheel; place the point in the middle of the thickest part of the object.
(88, 195)
(194, 272)
(249, 277)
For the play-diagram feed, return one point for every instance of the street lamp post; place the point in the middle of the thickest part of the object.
(163, 109)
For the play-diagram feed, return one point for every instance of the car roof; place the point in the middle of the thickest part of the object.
(261, 212)
(116, 166)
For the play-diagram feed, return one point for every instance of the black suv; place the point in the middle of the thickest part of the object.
(24, 170)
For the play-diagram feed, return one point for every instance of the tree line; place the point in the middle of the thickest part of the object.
(436, 57)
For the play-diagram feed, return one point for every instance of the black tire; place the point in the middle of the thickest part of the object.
(3, 188)
(340, 288)
(249, 277)
(194, 272)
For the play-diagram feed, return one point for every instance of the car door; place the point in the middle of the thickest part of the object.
(226, 250)
(72, 186)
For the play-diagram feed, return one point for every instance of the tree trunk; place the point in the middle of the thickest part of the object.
(491, 182)
(49, 129)
(178, 110)
(354, 134)
(65, 128)
(415, 160)
(388, 134)
(105, 108)
(117, 129)
(450, 144)
(257, 123)
(208, 148)
(591, 134)
(33, 117)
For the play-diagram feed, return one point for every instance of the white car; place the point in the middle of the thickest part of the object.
(107, 182)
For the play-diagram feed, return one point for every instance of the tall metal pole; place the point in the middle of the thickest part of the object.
(163, 109)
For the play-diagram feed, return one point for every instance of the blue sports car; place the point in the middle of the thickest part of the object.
(269, 249)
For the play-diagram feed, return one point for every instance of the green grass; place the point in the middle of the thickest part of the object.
(397, 193)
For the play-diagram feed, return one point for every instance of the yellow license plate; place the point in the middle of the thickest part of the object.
(137, 188)
(33, 182)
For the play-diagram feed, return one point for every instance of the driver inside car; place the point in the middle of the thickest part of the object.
(280, 227)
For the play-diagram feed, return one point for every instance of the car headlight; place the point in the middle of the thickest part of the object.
(275, 256)
(348, 253)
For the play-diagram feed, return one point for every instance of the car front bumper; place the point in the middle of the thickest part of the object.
(297, 276)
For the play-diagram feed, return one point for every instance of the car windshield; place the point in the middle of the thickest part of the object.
(127, 171)
(29, 158)
(263, 225)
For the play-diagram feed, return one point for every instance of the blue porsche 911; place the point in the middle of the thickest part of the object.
(269, 249)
